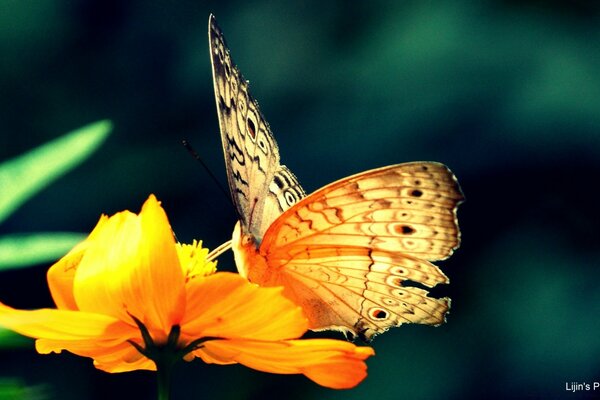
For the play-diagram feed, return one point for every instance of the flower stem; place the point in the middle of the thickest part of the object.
(164, 356)
(163, 374)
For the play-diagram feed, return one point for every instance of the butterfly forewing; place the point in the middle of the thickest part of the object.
(251, 153)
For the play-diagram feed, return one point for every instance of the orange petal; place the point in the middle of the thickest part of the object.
(103, 338)
(121, 366)
(109, 356)
(332, 363)
(63, 324)
(87, 348)
(132, 267)
(162, 284)
(226, 305)
(60, 275)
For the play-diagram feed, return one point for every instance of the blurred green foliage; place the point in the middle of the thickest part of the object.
(506, 93)
(11, 340)
(25, 250)
(24, 176)
(20, 179)
(16, 390)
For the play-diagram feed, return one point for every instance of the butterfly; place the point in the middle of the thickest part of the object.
(356, 254)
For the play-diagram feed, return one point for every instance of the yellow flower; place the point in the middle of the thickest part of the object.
(129, 291)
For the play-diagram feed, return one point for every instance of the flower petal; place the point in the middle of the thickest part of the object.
(103, 338)
(132, 267)
(118, 365)
(62, 324)
(161, 281)
(332, 363)
(225, 305)
(118, 356)
(60, 275)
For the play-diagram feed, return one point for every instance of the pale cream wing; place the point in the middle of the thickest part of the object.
(408, 208)
(355, 253)
(361, 291)
(251, 153)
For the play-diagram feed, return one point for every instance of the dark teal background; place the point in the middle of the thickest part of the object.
(506, 93)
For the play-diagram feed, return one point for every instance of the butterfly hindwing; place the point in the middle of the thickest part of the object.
(408, 208)
(284, 192)
(365, 290)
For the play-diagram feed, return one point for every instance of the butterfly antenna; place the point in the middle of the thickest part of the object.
(194, 154)
(218, 251)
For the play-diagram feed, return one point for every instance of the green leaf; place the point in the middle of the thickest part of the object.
(16, 389)
(23, 250)
(12, 340)
(24, 176)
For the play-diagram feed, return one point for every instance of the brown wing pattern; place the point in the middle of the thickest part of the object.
(284, 192)
(251, 153)
(355, 254)
(408, 208)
